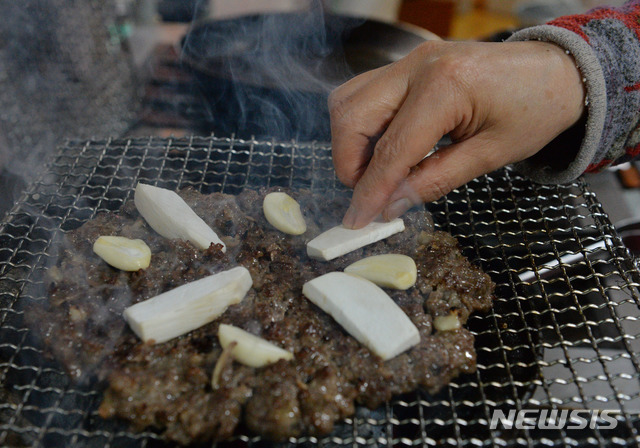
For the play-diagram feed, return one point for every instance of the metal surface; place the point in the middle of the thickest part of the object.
(566, 338)
(271, 74)
(237, 48)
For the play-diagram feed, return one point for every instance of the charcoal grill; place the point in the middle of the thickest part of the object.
(563, 334)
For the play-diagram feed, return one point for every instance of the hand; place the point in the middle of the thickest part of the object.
(500, 103)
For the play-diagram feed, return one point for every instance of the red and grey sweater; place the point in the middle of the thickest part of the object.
(605, 43)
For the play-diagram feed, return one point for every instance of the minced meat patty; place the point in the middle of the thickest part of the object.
(167, 387)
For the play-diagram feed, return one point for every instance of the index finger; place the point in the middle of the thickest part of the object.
(360, 111)
(416, 128)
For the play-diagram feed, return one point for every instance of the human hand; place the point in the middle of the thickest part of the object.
(500, 103)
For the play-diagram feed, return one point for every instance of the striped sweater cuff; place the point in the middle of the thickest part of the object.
(593, 77)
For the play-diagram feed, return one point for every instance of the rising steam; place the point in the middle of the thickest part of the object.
(270, 75)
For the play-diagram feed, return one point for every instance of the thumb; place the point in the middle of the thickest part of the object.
(445, 170)
(424, 117)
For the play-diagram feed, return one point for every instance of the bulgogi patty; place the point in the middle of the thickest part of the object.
(167, 386)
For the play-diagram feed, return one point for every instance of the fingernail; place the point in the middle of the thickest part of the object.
(396, 209)
(349, 220)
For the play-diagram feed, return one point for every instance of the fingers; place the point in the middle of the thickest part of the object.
(355, 83)
(415, 129)
(360, 111)
(443, 171)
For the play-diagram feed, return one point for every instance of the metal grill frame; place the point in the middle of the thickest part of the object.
(564, 332)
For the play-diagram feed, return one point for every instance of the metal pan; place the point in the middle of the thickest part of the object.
(270, 75)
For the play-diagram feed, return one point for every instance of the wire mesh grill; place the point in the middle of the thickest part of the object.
(563, 334)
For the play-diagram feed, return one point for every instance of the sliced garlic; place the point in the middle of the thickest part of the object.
(283, 213)
(123, 253)
(250, 350)
(339, 240)
(189, 306)
(390, 270)
(447, 323)
(365, 311)
(167, 213)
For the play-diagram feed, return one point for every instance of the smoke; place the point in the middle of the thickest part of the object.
(270, 75)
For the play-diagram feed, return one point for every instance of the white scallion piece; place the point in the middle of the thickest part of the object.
(123, 253)
(189, 306)
(365, 311)
(389, 270)
(283, 213)
(339, 240)
(250, 349)
(167, 213)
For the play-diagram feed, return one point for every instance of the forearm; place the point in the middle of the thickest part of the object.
(606, 46)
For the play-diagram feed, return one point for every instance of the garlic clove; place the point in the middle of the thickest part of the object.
(283, 213)
(339, 240)
(365, 311)
(123, 253)
(389, 270)
(447, 323)
(189, 306)
(167, 213)
(249, 349)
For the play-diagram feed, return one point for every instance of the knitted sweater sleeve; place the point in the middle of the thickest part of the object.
(605, 43)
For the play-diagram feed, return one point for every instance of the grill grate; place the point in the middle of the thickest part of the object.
(564, 332)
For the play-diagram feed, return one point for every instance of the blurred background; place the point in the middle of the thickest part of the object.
(454, 19)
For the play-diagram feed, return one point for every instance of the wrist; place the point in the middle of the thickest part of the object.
(570, 84)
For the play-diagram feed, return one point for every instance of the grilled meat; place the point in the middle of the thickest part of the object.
(168, 386)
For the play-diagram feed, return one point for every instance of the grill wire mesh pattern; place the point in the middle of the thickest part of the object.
(563, 334)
